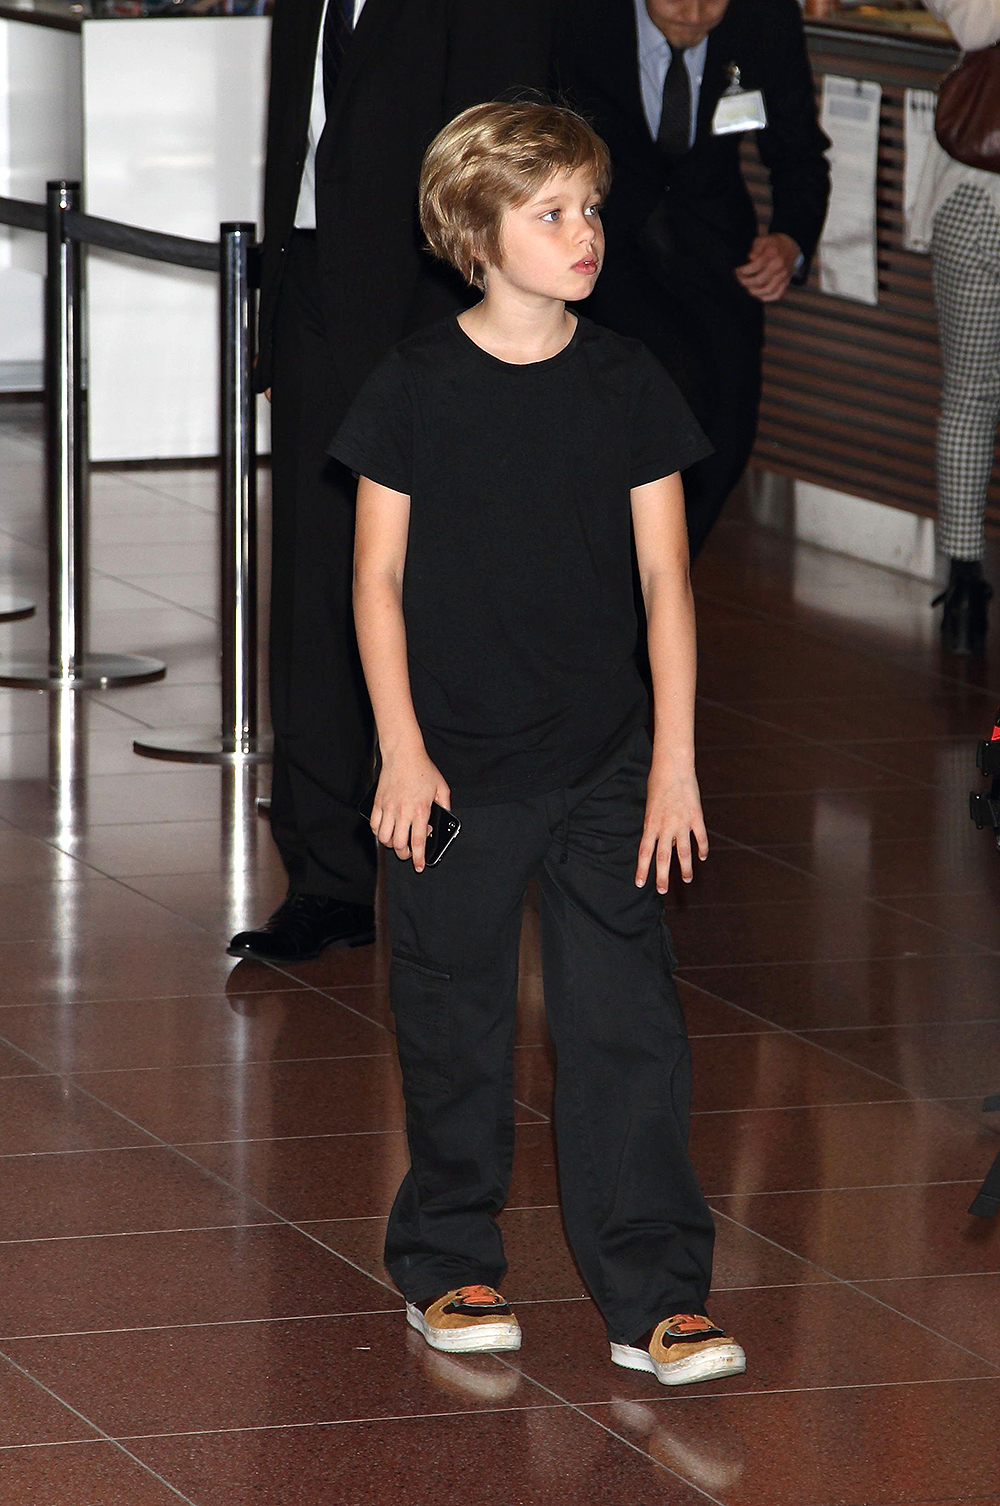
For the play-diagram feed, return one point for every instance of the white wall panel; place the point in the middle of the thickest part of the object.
(41, 134)
(174, 141)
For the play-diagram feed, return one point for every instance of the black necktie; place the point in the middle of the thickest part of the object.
(336, 34)
(674, 136)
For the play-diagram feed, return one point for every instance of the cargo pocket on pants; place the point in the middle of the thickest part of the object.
(672, 1010)
(667, 942)
(419, 993)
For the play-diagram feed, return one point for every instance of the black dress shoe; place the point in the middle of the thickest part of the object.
(303, 926)
(966, 615)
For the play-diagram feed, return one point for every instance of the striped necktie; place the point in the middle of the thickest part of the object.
(674, 136)
(337, 31)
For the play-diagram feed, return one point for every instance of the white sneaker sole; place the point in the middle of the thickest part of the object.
(486, 1338)
(709, 1364)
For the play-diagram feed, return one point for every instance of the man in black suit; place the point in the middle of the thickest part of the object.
(358, 90)
(686, 269)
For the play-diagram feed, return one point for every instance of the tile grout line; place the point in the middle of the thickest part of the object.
(558, 1404)
(814, 1265)
(938, 1024)
(825, 1050)
(903, 1094)
(372, 1312)
(816, 742)
(160, 1142)
(848, 1187)
(293, 1061)
(976, 952)
(605, 1428)
(102, 1435)
(54, 1239)
(939, 1276)
(829, 640)
(835, 889)
(291, 1427)
(830, 1051)
(131, 1002)
(880, 903)
(852, 1285)
(335, 1252)
(16, 1448)
(97, 1333)
(679, 1394)
(249, 1198)
(234, 1063)
(610, 1431)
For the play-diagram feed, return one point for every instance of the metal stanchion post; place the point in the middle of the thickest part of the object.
(239, 740)
(69, 666)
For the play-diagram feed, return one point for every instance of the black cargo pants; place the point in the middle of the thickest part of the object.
(637, 1221)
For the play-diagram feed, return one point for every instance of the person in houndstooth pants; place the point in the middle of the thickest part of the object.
(958, 213)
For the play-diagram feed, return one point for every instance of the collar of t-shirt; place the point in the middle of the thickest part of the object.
(305, 212)
(655, 54)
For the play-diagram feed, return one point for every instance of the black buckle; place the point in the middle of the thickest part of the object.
(984, 808)
(988, 758)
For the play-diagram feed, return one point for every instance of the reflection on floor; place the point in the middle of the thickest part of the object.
(196, 1159)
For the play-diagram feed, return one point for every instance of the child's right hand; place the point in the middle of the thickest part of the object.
(407, 787)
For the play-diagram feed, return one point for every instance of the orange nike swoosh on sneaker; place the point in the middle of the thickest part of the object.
(683, 1325)
(480, 1296)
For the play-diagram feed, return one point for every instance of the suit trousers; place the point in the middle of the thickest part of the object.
(635, 1215)
(323, 729)
(731, 368)
(708, 334)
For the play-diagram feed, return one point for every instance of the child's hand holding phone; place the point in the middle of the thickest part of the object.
(403, 809)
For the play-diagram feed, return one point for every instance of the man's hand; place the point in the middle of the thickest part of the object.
(769, 270)
(408, 785)
(673, 816)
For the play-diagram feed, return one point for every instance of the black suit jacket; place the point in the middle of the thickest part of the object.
(693, 224)
(410, 67)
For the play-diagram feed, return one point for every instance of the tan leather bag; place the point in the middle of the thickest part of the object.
(967, 121)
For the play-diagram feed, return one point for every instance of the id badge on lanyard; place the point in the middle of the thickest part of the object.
(739, 109)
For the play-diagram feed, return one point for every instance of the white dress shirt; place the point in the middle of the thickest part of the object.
(973, 23)
(305, 213)
(655, 54)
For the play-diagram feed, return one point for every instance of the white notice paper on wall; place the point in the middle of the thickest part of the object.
(919, 106)
(847, 252)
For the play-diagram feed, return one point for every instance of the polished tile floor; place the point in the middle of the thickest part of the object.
(196, 1158)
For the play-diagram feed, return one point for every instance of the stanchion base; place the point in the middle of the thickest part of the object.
(200, 745)
(94, 672)
(13, 608)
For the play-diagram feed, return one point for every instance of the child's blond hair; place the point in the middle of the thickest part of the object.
(492, 158)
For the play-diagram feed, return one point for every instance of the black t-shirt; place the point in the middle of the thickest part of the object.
(517, 591)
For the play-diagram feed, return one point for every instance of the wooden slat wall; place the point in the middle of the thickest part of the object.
(850, 392)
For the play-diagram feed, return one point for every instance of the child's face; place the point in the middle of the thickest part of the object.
(554, 244)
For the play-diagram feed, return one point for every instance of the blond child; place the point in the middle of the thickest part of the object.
(509, 461)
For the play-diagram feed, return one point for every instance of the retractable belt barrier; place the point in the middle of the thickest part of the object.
(70, 665)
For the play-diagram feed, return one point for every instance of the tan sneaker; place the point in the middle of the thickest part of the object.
(467, 1320)
(687, 1347)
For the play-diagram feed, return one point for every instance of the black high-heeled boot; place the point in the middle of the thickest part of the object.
(966, 599)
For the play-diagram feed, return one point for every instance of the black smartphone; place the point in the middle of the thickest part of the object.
(444, 827)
